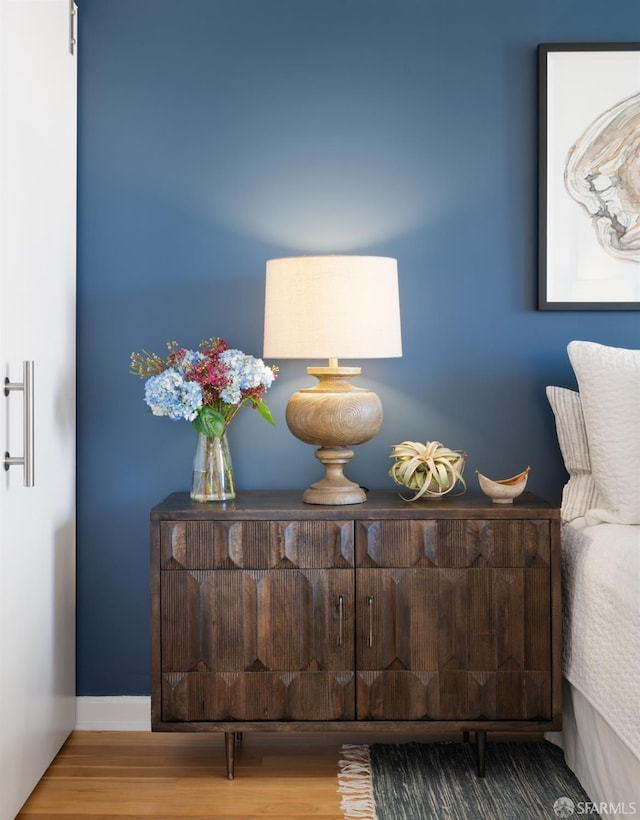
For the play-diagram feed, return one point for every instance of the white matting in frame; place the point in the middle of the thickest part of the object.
(589, 176)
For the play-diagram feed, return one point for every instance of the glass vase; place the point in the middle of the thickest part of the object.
(212, 477)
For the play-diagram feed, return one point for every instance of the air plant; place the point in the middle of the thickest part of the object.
(429, 469)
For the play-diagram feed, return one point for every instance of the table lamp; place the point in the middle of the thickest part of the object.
(332, 307)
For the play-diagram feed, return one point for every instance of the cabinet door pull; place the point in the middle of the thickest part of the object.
(370, 607)
(28, 415)
(340, 620)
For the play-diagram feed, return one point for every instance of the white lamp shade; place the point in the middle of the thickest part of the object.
(332, 307)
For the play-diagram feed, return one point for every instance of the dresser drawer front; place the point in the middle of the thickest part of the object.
(256, 544)
(460, 542)
(454, 695)
(258, 696)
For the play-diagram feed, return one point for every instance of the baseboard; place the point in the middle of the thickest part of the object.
(125, 713)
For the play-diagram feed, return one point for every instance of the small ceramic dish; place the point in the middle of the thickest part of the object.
(505, 490)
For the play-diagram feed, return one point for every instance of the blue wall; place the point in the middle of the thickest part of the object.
(215, 134)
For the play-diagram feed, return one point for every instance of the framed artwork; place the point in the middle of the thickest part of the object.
(589, 176)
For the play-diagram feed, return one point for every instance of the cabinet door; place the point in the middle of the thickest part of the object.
(256, 620)
(38, 301)
(257, 645)
(397, 644)
(460, 627)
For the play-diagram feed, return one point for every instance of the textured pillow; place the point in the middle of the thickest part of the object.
(609, 383)
(580, 493)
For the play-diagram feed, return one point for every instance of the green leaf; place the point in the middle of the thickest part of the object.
(209, 422)
(264, 411)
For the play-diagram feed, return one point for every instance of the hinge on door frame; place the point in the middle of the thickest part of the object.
(73, 10)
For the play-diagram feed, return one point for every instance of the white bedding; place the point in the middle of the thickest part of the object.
(601, 588)
(607, 769)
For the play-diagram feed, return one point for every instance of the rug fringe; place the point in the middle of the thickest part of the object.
(354, 783)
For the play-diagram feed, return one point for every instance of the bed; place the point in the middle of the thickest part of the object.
(598, 430)
(601, 721)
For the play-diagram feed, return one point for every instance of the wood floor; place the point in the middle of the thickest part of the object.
(127, 775)
(130, 775)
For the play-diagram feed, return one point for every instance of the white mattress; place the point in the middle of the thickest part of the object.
(601, 611)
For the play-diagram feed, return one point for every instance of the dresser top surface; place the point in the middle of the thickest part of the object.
(288, 505)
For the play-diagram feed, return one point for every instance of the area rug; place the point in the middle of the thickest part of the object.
(421, 781)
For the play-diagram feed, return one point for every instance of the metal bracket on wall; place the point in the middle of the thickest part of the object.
(27, 460)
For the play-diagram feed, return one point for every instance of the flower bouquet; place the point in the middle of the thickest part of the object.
(207, 387)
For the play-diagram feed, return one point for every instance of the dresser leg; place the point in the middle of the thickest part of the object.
(481, 738)
(230, 749)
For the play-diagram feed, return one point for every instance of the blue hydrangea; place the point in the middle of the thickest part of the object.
(244, 372)
(189, 359)
(168, 394)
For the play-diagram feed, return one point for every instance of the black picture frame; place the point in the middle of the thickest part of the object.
(588, 135)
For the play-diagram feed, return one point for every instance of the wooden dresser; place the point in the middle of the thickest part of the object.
(268, 614)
